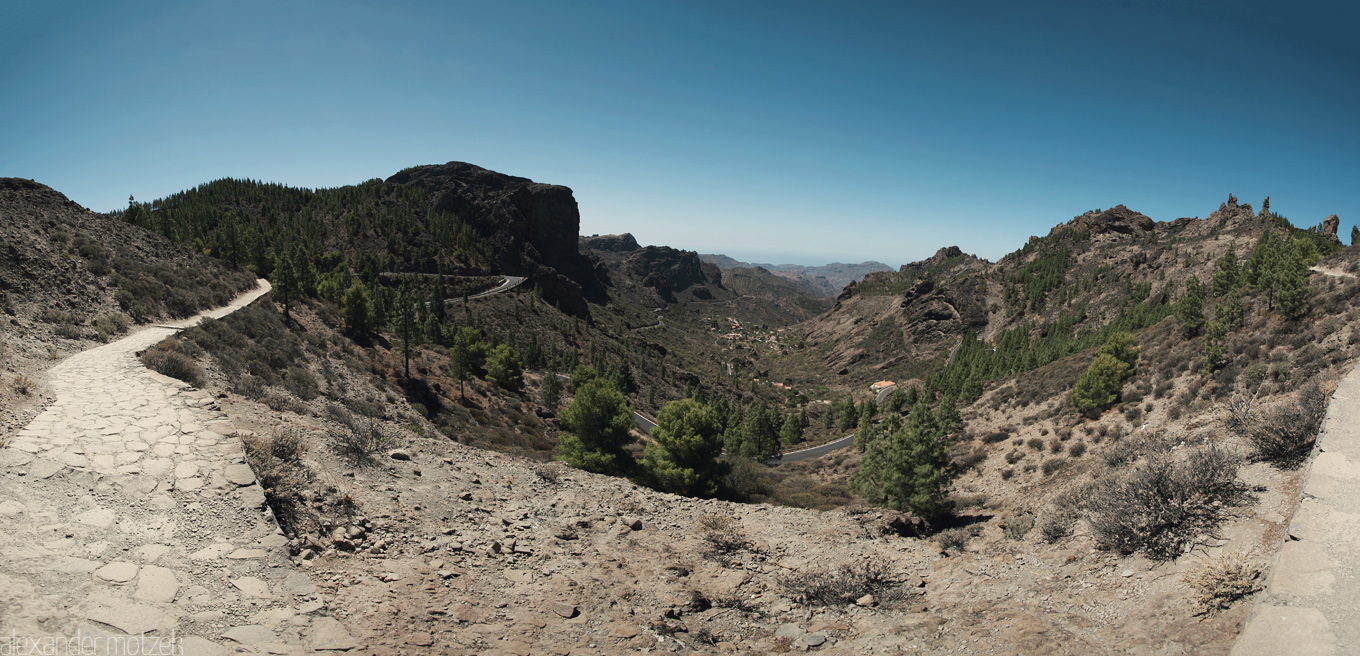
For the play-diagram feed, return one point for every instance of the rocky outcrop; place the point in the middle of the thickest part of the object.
(533, 227)
(624, 243)
(668, 270)
(1117, 219)
(1329, 226)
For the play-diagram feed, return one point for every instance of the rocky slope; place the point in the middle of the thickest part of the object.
(1090, 269)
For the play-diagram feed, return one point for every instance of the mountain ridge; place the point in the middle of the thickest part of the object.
(825, 280)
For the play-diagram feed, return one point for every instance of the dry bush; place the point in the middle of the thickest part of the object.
(1056, 526)
(955, 540)
(358, 438)
(844, 584)
(22, 384)
(68, 331)
(722, 535)
(109, 325)
(1219, 583)
(1163, 506)
(1284, 432)
(277, 461)
(165, 359)
(1018, 526)
(994, 437)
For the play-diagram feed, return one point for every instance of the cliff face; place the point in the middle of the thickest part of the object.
(668, 270)
(624, 243)
(534, 228)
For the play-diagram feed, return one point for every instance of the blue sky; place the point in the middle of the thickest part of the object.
(778, 131)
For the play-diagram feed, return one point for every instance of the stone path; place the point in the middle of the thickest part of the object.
(1312, 597)
(126, 508)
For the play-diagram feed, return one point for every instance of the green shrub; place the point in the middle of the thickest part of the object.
(505, 368)
(1098, 388)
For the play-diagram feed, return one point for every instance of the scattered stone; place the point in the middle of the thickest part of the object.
(399, 454)
(310, 607)
(196, 646)
(865, 601)
(250, 634)
(157, 584)
(252, 587)
(117, 572)
(299, 584)
(42, 468)
(632, 523)
(245, 554)
(788, 631)
(98, 518)
(132, 619)
(239, 474)
(813, 639)
(564, 609)
(329, 635)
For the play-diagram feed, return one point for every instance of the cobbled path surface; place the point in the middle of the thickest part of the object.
(127, 509)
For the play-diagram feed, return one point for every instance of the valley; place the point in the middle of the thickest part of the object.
(1096, 444)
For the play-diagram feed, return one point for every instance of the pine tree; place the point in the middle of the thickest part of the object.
(466, 353)
(550, 393)
(598, 420)
(1291, 280)
(1098, 388)
(1190, 308)
(1229, 274)
(682, 457)
(404, 320)
(1355, 235)
(897, 400)
(285, 279)
(758, 436)
(504, 367)
(792, 431)
(947, 417)
(908, 470)
(1229, 309)
(356, 308)
(1263, 266)
(1215, 347)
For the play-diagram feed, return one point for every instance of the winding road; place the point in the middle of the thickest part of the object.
(510, 282)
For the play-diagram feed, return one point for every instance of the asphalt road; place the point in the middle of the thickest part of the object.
(813, 452)
(510, 283)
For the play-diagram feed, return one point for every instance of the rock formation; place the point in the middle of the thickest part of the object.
(533, 227)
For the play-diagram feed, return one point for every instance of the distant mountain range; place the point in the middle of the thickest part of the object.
(826, 280)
